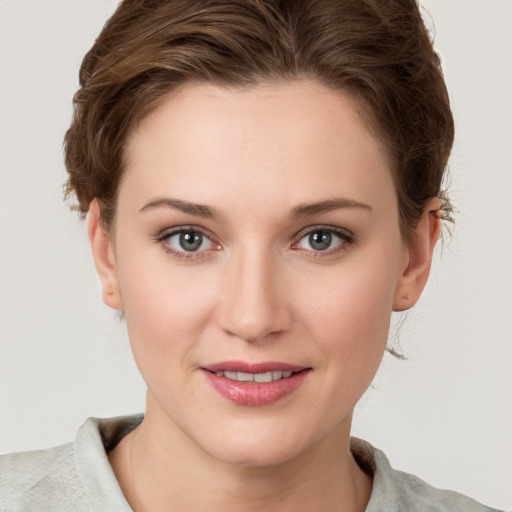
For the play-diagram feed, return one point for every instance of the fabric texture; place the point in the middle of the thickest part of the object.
(77, 477)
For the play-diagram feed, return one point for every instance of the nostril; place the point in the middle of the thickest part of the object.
(250, 306)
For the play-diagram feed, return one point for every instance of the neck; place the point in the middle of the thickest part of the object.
(160, 469)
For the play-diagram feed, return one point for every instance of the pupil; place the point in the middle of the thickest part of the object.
(320, 240)
(191, 240)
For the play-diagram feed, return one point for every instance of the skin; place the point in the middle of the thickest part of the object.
(257, 290)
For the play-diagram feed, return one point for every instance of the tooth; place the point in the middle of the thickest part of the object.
(254, 377)
(263, 377)
(245, 377)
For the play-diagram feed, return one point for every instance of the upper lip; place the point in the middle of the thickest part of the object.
(247, 367)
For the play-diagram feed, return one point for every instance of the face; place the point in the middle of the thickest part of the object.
(256, 239)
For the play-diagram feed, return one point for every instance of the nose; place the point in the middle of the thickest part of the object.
(253, 305)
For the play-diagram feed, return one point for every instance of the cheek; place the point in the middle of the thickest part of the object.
(352, 306)
(348, 313)
(354, 343)
(166, 309)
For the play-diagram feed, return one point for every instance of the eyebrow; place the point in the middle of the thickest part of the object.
(200, 210)
(300, 211)
(308, 209)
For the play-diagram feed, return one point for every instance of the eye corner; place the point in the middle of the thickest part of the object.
(321, 247)
(200, 245)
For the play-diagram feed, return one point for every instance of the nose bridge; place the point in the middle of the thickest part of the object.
(252, 305)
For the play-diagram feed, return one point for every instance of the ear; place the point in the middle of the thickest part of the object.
(420, 250)
(104, 256)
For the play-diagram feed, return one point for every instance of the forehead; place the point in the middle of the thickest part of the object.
(299, 138)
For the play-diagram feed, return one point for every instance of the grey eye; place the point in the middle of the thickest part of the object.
(320, 240)
(189, 241)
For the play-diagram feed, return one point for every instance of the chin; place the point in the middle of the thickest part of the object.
(255, 456)
(253, 447)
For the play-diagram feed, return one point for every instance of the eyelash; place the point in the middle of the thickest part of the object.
(345, 238)
(163, 238)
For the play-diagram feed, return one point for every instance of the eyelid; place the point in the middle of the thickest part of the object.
(166, 233)
(346, 236)
(342, 232)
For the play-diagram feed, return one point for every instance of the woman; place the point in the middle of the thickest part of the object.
(262, 183)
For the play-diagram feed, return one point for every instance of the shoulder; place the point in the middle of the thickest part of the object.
(416, 494)
(41, 480)
(395, 491)
(74, 477)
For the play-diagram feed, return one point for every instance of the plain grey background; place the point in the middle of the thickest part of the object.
(445, 414)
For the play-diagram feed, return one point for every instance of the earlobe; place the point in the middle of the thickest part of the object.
(420, 252)
(104, 257)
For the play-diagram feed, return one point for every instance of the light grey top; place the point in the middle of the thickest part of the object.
(78, 477)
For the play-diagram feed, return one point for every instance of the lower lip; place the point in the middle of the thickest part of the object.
(255, 394)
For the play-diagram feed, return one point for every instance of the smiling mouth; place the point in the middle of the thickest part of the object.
(255, 384)
(270, 376)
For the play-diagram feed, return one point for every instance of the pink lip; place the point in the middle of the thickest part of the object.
(242, 366)
(254, 394)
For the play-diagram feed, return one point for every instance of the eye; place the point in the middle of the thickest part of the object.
(326, 240)
(187, 242)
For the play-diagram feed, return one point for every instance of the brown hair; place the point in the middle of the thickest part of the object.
(378, 50)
